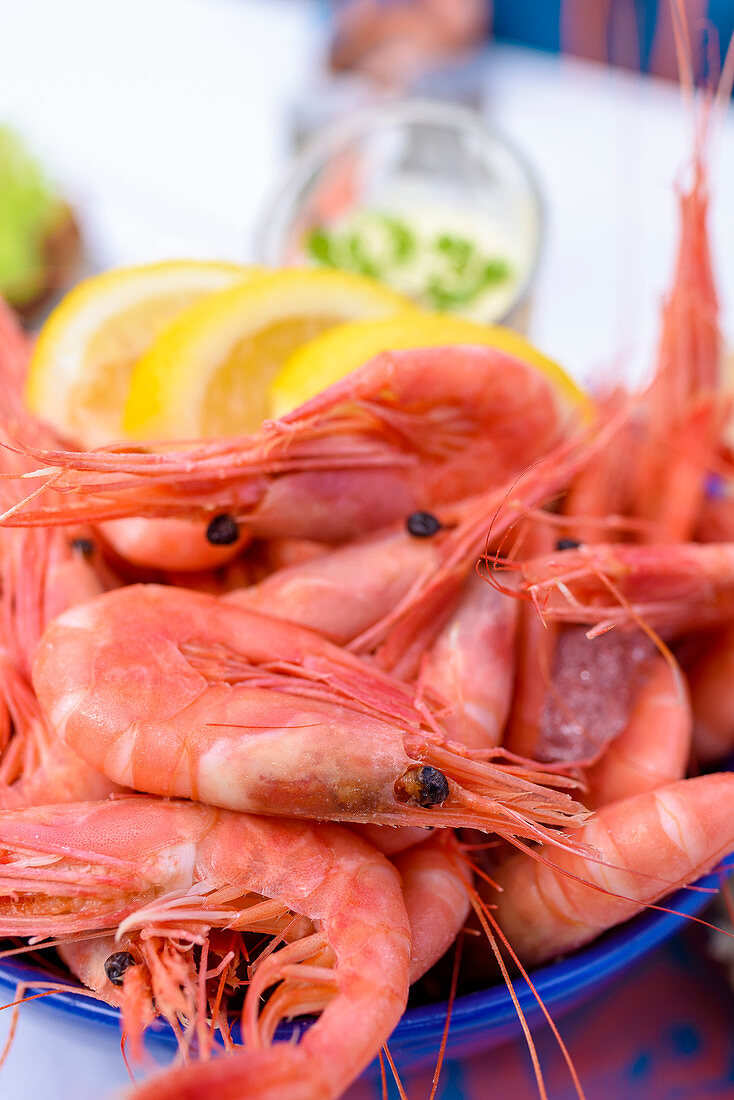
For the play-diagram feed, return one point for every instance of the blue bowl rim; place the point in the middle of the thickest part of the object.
(562, 981)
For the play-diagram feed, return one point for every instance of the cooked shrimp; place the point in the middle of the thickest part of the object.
(686, 409)
(401, 638)
(281, 553)
(185, 545)
(648, 844)
(180, 693)
(175, 870)
(434, 885)
(716, 519)
(674, 588)
(604, 487)
(407, 430)
(392, 841)
(654, 747)
(343, 593)
(41, 574)
(471, 665)
(15, 351)
(436, 894)
(710, 676)
(536, 640)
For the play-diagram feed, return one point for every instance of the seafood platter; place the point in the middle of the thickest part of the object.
(365, 681)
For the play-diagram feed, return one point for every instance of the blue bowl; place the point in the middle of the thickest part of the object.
(480, 1021)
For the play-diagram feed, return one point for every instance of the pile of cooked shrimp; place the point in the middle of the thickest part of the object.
(430, 603)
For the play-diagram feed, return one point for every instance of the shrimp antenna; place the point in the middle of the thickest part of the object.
(449, 1009)
(683, 49)
(478, 904)
(394, 1071)
(483, 916)
(123, 1052)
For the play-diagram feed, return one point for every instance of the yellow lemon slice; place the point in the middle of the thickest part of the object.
(83, 360)
(334, 354)
(208, 373)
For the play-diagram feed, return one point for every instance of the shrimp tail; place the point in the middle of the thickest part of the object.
(655, 842)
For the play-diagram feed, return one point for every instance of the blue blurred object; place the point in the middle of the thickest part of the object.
(537, 23)
(531, 22)
(480, 1021)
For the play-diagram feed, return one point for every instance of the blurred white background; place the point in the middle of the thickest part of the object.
(168, 121)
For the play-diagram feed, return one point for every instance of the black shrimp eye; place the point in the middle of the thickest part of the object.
(116, 965)
(423, 525)
(567, 544)
(422, 784)
(222, 531)
(85, 547)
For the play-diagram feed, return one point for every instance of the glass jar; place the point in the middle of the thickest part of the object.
(419, 170)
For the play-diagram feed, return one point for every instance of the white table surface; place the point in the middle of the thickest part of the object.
(165, 120)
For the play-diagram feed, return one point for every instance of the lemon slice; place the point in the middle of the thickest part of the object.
(345, 347)
(208, 373)
(81, 367)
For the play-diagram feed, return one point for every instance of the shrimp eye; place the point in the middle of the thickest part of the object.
(422, 784)
(85, 547)
(222, 531)
(423, 525)
(116, 965)
(567, 544)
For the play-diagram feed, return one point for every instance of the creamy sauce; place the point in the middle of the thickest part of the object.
(470, 262)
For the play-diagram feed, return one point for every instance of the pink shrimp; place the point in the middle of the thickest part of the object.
(535, 643)
(15, 349)
(471, 665)
(411, 583)
(710, 675)
(173, 871)
(673, 588)
(436, 893)
(648, 845)
(654, 747)
(407, 430)
(42, 573)
(686, 410)
(604, 487)
(184, 545)
(656, 468)
(392, 841)
(716, 519)
(156, 543)
(573, 694)
(180, 693)
(344, 592)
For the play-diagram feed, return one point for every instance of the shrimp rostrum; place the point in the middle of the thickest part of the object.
(165, 876)
(183, 694)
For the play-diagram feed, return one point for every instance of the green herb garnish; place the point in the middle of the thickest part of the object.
(382, 246)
